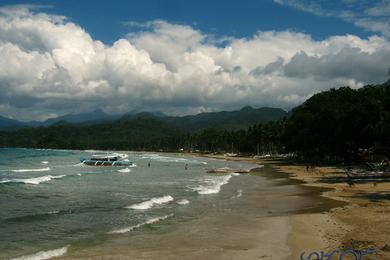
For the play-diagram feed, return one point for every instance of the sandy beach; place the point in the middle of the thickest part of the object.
(362, 222)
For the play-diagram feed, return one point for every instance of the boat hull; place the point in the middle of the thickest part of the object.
(367, 174)
(106, 163)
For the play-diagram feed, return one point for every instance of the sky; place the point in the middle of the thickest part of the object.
(185, 57)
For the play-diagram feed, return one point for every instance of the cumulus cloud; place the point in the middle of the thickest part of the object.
(50, 65)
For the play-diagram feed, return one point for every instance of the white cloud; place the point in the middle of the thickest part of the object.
(372, 16)
(49, 65)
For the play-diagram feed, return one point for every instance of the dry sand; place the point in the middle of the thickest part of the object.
(363, 223)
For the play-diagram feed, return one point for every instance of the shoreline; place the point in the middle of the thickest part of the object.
(352, 217)
(261, 229)
(231, 230)
(362, 223)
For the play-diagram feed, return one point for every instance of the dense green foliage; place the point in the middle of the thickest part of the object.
(334, 124)
(123, 134)
(142, 134)
(337, 123)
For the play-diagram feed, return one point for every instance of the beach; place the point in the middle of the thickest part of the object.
(364, 222)
(361, 222)
(181, 208)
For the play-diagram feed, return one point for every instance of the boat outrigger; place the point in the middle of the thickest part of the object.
(370, 171)
(107, 160)
(365, 174)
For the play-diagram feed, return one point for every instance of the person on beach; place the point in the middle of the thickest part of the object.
(148, 164)
(186, 167)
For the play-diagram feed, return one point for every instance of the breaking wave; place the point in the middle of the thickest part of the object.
(212, 184)
(34, 181)
(183, 202)
(160, 158)
(151, 203)
(43, 255)
(147, 222)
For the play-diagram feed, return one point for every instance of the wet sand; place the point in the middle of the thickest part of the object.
(235, 237)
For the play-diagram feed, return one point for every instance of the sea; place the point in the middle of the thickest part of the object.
(52, 205)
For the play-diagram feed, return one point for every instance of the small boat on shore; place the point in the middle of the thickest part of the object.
(107, 160)
(365, 174)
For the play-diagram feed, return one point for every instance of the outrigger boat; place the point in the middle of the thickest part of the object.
(364, 174)
(107, 160)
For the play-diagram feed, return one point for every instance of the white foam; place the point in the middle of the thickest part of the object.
(32, 170)
(147, 222)
(91, 151)
(183, 202)
(160, 158)
(34, 181)
(43, 255)
(79, 164)
(124, 170)
(235, 174)
(44, 162)
(121, 155)
(212, 184)
(239, 194)
(151, 203)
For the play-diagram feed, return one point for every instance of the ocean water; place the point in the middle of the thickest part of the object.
(50, 202)
(51, 205)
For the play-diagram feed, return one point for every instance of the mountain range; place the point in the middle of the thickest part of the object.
(231, 120)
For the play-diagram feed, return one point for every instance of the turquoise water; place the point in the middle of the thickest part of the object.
(50, 202)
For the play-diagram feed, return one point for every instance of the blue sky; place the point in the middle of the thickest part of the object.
(185, 57)
(106, 20)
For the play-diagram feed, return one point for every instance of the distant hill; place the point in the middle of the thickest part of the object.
(94, 116)
(9, 124)
(230, 120)
(140, 131)
(138, 112)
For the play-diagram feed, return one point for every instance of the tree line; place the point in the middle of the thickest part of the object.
(335, 125)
